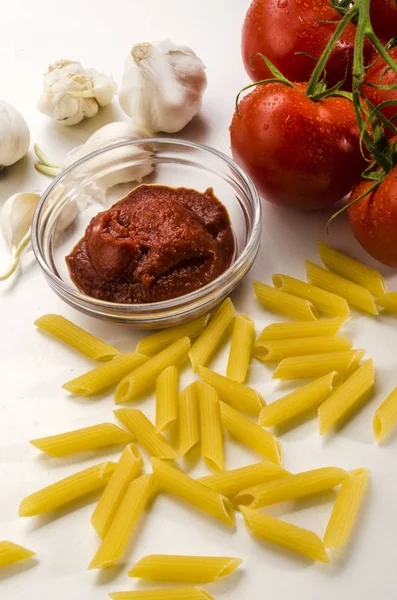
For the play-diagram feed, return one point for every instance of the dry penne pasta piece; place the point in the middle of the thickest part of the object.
(385, 417)
(308, 397)
(285, 534)
(67, 490)
(240, 348)
(154, 343)
(388, 302)
(356, 295)
(277, 350)
(200, 569)
(211, 427)
(188, 419)
(166, 399)
(74, 336)
(144, 377)
(213, 335)
(230, 483)
(301, 329)
(291, 487)
(191, 593)
(315, 365)
(346, 507)
(286, 304)
(81, 440)
(176, 483)
(145, 433)
(104, 376)
(347, 398)
(245, 431)
(11, 553)
(138, 495)
(239, 396)
(324, 301)
(128, 468)
(352, 269)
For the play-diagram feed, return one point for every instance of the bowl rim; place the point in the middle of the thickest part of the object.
(173, 303)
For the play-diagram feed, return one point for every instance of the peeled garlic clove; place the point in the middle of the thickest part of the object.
(14, 135)
(16, 217)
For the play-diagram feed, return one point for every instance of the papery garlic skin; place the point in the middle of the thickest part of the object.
(14, 135)
(162, 86)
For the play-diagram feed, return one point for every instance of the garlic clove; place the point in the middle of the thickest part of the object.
(14, 135)
(16, 217)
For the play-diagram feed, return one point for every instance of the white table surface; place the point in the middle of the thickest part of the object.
(33, 366)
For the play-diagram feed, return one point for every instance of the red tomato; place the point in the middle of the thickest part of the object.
(380, 74)
(384, 18)
(300, 153)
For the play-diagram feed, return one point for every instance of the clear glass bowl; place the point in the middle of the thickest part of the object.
(175, 163)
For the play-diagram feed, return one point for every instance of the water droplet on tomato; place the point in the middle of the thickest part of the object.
(282, 3)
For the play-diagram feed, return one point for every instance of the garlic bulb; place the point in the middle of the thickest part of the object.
(14, 135)
(162, 86)
(71, 93)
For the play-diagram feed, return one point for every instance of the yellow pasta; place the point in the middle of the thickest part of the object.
(127, 469)
(152, 344)
(385, 417)
(351, 269)
(201, 569)
(388, 302)
(245, 431)
(166, 399)
(286, 304)
(230, 483)
(191, 593)
(104, 376)
(213, 335)
(211, 428)
(144, 377)
(291, 487)
(315, 365)
(188, 419)
(81, 440)
(67, 490)
(11, 553)
(238, 395)
(285, 534)
(324, 301)
(144, 432)
(301, 329)
(240, 348)
(113, 546)
(303, 400)
(354, 294)
(346, 507)
(348, 398)
(74, 336)
(176, 483)
(279, 349)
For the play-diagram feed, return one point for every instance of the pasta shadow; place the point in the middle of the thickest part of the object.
(108, 575)
(44, 519)
(275, 554)
(17, 568)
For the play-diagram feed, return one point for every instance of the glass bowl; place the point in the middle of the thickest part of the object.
(98, 180)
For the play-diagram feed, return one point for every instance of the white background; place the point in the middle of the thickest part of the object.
(33, 367)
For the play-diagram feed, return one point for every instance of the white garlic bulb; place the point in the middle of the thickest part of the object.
(71, 93)
(162, 86)
(14, 135)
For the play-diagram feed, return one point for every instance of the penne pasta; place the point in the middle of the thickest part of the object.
(188, 421)
(324, 301)
(144, 377)
(200, 569)
(138, 495)
(11, 553)
(127, 469)
(303, 400)
(74, 336)
(385, 417)
(388, 302)
(285, 534)
(153, 344)
(81, 440)
(286, 304)
(352, 269)
(213, 335)
(245, 431)
(191, 593)
(291, 487)
(348, 398)
(173, 481)
(238, 395)
(301, 329)
(279, 349)
(354, 294)
(166, 399)
(240, 348)
(67, 490)
(104, 376)
(229, 483)
(211, 428)
(144, 432)
(315, 365)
